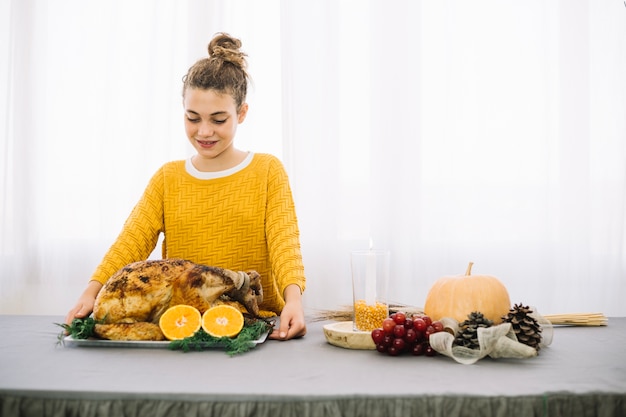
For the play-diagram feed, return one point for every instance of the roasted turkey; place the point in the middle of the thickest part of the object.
(131, 302)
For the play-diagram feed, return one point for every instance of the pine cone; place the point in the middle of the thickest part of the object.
(468, 331)
(526, 328)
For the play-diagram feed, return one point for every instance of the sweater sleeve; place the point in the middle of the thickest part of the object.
(282, 233)
(139, 234)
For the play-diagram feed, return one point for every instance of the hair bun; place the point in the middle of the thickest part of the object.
(225, 47)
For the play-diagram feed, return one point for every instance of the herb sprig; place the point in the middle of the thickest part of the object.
(79, 328)
(233, 346)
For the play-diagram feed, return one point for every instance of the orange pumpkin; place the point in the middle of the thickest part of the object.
(459, 295)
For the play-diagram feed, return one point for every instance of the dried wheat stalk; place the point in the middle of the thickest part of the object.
(345, 313)
(578, 319)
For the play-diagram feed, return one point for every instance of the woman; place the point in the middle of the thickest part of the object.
(222, 207)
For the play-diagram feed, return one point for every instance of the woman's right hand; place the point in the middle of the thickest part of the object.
(85, 303)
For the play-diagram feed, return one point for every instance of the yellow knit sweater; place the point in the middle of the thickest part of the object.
(242, 221)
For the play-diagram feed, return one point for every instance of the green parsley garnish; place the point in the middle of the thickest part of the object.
(233, 346)
(79, 329)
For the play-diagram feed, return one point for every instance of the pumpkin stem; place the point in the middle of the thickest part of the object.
(469, 269)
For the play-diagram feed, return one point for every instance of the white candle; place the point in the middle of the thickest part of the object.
(370, 277)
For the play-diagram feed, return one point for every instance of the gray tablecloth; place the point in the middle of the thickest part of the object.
(583, 373)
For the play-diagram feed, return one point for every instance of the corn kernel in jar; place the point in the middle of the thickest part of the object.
(368, 317)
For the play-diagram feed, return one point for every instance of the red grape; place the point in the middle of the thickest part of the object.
(428, 320)
(381, 348)
(388, 325)
(393, 351)
(419, 349)
(399, 344)
(430, 351)
(408, 323)
(410, 336)
(420, 336)
(419, 324)
(399, 331)
(378, 335)
(438, 326)
(429, 330)
(399, 317)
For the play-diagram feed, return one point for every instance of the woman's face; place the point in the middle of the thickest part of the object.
(211, 121)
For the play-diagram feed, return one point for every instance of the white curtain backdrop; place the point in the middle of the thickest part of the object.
(445, 132)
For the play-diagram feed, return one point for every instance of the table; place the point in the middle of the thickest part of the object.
(583, 373)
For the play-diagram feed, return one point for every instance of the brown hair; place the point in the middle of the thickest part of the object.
(223, 71)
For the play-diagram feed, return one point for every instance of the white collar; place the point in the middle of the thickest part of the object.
(193, 171)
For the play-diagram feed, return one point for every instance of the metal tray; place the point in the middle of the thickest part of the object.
(142, 344)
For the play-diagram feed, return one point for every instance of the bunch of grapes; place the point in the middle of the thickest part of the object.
(400, 333)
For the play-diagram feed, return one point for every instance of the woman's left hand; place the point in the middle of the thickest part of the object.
(292, 322)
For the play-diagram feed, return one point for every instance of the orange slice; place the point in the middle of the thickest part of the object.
(222, 320)
(180, 321)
